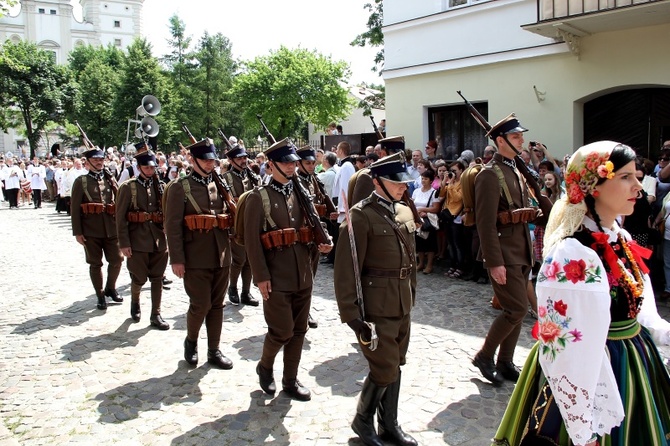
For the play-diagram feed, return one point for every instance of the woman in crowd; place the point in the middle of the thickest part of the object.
(452, 199)
(426, 200)
(442, 170)
(595, 377)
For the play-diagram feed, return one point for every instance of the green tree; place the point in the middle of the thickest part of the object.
(374, 36)
(82, 55)
(140, 76)
(179, 61)
(32, 84)
(98, 85)
(293, 87)
(5, 5)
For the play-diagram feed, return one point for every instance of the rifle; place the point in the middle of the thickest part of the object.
(253, 178)
(374, 126)
(304, 201)
(544, 202)
(105, 171)
(221, 185)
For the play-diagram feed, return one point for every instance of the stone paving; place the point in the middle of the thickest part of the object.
(70, 373)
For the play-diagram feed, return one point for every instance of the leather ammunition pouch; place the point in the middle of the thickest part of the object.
(203, 222)
(143, 217)
(321, 209)
(98, 208)
(284, 238)
(521, 215)
(402, 273)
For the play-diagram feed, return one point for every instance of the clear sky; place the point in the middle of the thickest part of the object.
(254, 27)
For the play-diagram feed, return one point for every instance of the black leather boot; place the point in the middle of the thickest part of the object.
(312, 323)
(157, 321)
(233, 297)
(102, 300)
(191, 351)
(296, 390)
(387, 417)
(247, 299)
(111, 292)
(215, 357)
(135, 312)
(363, 424)
(266, 380)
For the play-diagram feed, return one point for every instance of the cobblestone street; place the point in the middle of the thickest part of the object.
(73, 374)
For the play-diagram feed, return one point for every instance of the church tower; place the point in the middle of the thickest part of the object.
(116, 22)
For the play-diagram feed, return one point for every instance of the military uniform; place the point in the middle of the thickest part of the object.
(139, 224)
(93, 217)
(384, 242)
(198, 238)
(503, 244)
(289, 269)
(240, 181)
(360, 184)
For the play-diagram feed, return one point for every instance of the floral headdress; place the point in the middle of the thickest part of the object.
(586, 167)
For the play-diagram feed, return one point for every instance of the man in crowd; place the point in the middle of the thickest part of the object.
(93, 224)
(281, 264)
(383, 236)
(506, 249)
(197, 226)
(340, 184)
(240, 179)
(139, 224)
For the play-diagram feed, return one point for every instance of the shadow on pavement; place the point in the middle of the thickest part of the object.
(82, 349)
(261, 423)
(342, 374)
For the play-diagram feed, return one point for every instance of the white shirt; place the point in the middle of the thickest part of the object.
(125, 175)
(328, 179)
(36, 175)
(13, 176)
(341, 183)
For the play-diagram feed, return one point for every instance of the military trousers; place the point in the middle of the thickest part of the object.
(506, 327)
(146, 265)
(206, 289)
(94, 248)
(286, 316)
(390, 354)
(240, 264)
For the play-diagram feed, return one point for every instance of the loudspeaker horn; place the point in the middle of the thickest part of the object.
(149, 127)
(150, 106)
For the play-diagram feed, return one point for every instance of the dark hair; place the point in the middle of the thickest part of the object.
(373, 157)
(548, 164)
(425, 163)
(429, 173)
(620, 156)
(361, 159)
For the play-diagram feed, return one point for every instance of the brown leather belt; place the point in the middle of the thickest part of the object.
(142, 217)
(98, 208)
(204, 222)
(402, 273)
(521, 215)
(284, 238)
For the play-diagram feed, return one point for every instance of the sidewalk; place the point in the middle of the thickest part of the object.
(70, 373)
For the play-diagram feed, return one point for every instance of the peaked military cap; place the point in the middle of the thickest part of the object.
(237, 151)
(393, 144)
(307, 153)
(95, 152)
(392, 168)
(203, 149)
(144, 156)
(282, 151)
(506, 126)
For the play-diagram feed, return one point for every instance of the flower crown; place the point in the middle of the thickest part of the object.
(582, 176)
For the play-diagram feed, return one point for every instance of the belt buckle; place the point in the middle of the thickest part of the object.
(403, 273)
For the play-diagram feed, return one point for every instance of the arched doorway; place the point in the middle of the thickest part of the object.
(638, 117)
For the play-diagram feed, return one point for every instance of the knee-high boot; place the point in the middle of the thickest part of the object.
(135, 312)
(156, 297)
(363, 423)
(387, 417)
(95, 272)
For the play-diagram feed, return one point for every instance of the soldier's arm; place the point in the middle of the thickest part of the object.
(487, 197)
(174, 223)
(75, 207)
(122, 208)
(254, 217)
(345, 284)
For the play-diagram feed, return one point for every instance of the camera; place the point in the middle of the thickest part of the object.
(532, 144)
(450, 175)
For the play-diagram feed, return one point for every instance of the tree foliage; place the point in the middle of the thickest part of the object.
(5, 5)
(32, 84)
(374, 36)
(292, 87)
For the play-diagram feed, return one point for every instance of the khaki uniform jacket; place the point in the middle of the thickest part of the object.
(92, 225)
(141, 237)
(360, 186)
(237, 185)
(195, 249)
(501, 244)
(377, 246)
(289, 269)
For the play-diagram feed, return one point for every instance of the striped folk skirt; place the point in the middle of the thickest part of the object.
(532, 417)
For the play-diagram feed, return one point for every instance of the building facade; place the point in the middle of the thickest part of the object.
(574, 71)
(52, 26)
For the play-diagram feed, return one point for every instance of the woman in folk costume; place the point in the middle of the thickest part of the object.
(595, 376)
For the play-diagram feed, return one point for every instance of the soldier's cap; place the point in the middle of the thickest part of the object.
(203, 149)
(392, 168)
(307, 153)
(237, 151)
(144, 155)
(95, 152)
(282, 151)
(393, 144)
(506, 126)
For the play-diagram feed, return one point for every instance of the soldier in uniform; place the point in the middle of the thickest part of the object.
(383, 231)
(281, 252)
(240, 179)
(93, 224)
(502, 214)
(322, 203)
(360, 185)
(197, 226)
(139, 225)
